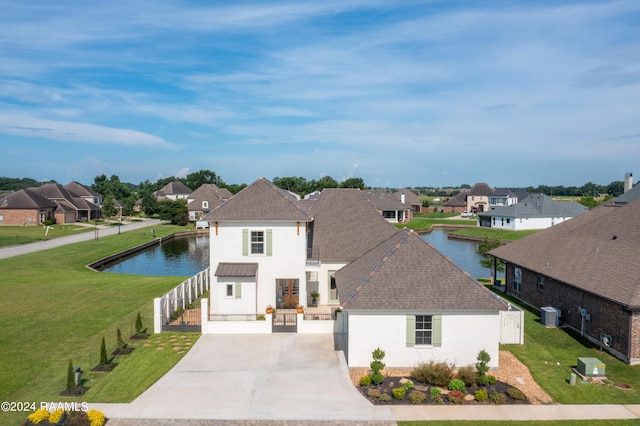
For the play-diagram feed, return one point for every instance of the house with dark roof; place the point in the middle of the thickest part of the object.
(502, 197)
(393, 208)
(175, 190)
(406, 196)
(204, 199)
(71, 206)
(25, 207)
(585, 271)
(85, 192)
(538, 211)
(269, 248)
(421, 306)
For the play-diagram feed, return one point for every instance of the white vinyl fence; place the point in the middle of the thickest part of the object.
(179, 297)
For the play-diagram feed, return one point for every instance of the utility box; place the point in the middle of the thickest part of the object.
(550, 316)
(591, 367)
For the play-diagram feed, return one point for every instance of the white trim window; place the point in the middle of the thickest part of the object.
(257, 242)
(540, 283)
(234, 291)
(517, 279)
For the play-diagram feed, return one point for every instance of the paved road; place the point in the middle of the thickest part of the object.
(12, 251)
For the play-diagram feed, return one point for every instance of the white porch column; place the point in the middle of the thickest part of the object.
(204, 314)
(157, 315)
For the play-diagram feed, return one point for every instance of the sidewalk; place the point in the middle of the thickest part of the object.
(12, 251)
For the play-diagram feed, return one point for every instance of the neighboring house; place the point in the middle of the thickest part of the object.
(268, 247)
(406, 196)
(389, 206)
(206, 198)
(502, 197)
(175, 190)
(85, 192)
(456, 204)
(25, 207)
(537, 211)
(407, 298)
(71, 207)
(477, 198)
(586, 271)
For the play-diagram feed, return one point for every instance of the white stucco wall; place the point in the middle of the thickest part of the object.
(246, 303)
(463, 336)
(519, 224)
(288, 257)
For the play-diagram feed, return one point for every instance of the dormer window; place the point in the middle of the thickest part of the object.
(205, 204)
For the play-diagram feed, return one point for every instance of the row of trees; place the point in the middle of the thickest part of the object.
(302, 186)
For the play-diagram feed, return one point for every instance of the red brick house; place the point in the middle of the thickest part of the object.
(25, 207)
(587, 269)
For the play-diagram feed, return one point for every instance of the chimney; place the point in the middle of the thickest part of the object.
(402, 197)
(628, 182)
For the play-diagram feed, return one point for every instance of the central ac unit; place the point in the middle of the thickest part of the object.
(550, 316)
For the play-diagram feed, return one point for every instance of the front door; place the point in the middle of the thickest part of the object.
(288, 292)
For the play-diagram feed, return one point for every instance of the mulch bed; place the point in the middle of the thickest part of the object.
(123, 351)
(77, 391)
(393, 382)
(139, 336)
(105, 367)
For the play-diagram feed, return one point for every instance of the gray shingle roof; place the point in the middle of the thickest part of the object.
(404, 272)
(81, 190)
(207, 192)
(236, 269)
(382, 199)
(346, 225)
(54, 192)
(538, 205)
(630, 195)
(25, 199)
(480, 189)
(261, 201)
(409, 196)
(173, 188)
(598, 251)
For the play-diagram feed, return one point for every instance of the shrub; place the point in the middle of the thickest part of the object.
(377, 378)
(435, 373)
(385, 397)
(374, 393)
(497, 397)
(408, 385)
(398, 393)
(38, 416)
(492, 379)
(365, 380)
(482, 366)
(416, 397)
(138, 323)
(96, 418)
(483, 380)
(71, 382)
(435, 395)
(103, 353)
(456, 396)
(516, 394)
(119, 340)
(261, 317)
(457, 384)
(481, 395)
(468, 375)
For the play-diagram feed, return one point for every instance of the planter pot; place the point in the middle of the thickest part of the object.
(300, 310)
(269, 311)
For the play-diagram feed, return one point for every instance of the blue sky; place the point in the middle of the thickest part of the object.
(410, 93)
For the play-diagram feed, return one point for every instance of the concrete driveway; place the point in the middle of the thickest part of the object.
(278, 376)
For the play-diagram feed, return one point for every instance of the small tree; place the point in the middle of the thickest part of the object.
(71, 382)
(121, 343)
(103, 353)
(487, 261)
(376, 366)
(138, 323)
(482, 366)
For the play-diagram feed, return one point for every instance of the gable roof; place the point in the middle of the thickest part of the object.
(404, 272)
(382, 199)
(25, 199)
(596, 251)
(538, 205)
(346, 225)
(81, 190)
(260, 201)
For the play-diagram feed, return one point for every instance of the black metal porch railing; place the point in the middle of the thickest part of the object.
(313, 256)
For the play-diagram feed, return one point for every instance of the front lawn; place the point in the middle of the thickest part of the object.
(550, 353)
(499, 234)
(17, 235)
(55, 309)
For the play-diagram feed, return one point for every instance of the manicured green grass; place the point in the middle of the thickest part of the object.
(55, 309)
(523, 423)
(500, 234)
(550, 353)
(424, 221)
(16, 235)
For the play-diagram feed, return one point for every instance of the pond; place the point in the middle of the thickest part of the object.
(462, 253)
(179, 256)
(188, 255)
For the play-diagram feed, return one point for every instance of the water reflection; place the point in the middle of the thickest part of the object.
(180, 256)
(462, 253)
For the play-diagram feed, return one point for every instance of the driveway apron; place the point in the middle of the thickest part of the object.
(280, 376)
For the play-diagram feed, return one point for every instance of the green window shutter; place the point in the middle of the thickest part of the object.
(269, 250)
(411, 331)
(245, 242)
(238, 293)
(436, 336)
